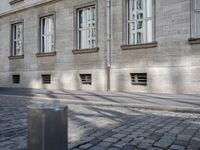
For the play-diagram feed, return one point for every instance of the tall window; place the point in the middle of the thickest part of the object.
(140, 21)
(87, 27)
(197, 18)
(46, 34)
(17, 39)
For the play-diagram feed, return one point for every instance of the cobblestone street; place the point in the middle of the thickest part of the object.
(102, 127)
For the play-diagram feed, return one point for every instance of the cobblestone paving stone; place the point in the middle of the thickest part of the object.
(106, 128)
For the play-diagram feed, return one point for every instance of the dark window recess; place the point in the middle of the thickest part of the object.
(86, 78)
(46, 79)
(16, 79)
(139, 79)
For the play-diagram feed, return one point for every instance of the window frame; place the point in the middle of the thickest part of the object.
(196, 11)
(76, 26)
(53, 14)
(125, 20)
(91, 28)
(12, 40)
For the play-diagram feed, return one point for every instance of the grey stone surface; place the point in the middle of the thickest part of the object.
(144, 145)
(86, 146)
(177, 147)
(172, 66)
(85, 121)
(97, 148)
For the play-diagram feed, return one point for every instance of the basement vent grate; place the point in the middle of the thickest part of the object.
(86, 78)
(16, 79)
(139, 79)
(46, 79)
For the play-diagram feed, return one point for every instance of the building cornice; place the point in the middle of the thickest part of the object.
(43, 2)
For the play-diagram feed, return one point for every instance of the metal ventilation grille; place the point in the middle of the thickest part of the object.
(139, 79)
(16, 79)
(86, 78)
(46, 79)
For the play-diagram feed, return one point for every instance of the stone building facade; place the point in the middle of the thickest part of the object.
(149, 46)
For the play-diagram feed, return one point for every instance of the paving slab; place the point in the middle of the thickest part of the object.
(170, 102)
(105, 127)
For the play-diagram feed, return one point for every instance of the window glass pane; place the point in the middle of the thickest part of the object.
(18, 47)
(42, 44)
(80, 19)
(131, 29)
(87, 27)
(43, 26)
(80, 39)
(149, 31)
(140, 25)
(131, 6)
(197, 4)
(17, 39)
(139, 37)
(88, 15)
(198, 24)
(94, 32)
(14, 48)
(141, 30)
(140, 4)
(140, 15)
(149, 8)
(51, 33)
(93, 13)
(87, 39)
(93, 43)
(47, 34)
(15, 31)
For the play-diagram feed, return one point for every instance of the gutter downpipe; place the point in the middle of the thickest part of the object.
(108, 42)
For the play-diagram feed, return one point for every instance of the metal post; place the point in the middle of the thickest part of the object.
(108, 42)
(47, 127)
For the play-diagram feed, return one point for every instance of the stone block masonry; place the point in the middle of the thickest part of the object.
(172, 66)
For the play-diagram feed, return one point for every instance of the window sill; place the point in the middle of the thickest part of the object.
(194, 41)
(139, 46)
(12, 2)
(46, 54)
(16, 57)
(83, 51)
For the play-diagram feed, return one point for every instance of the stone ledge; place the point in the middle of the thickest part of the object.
(12, 2)
(46, 54)
(139, 46)
(194, 41)
(16, 57)
(88, 50)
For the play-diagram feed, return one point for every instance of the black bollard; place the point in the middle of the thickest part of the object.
(47, 127)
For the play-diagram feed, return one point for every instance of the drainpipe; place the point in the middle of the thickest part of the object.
(108, 42)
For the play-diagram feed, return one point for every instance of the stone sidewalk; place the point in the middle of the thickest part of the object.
(106, 128)
(172, 102)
